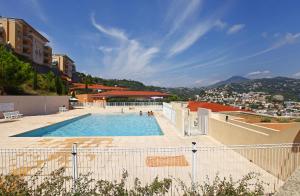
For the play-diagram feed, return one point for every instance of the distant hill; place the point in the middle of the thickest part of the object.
(288, 87)
(181, 93)
(233, 79)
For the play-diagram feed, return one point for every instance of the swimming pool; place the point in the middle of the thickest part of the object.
(100, 125)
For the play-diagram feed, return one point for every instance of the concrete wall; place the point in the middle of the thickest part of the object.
(281, 162)
(35, 105)
(169, 113)
(246, 133)
(181, 115)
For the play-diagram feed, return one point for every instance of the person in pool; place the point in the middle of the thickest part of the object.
(141, 113)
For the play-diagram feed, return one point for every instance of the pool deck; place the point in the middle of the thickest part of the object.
(170, 138)
(145, 164)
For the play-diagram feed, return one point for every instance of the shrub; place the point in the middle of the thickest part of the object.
(55, 184)
(265, 119)
(283, 120)
(297, 120)
(13, 72)
(247, 185)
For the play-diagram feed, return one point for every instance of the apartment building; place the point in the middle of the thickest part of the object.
(25, 40)
(65, 65)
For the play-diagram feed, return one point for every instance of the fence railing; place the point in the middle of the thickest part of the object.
(191, 164)
(134, 104)
(117, 104)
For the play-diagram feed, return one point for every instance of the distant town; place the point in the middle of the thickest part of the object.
(259, 102)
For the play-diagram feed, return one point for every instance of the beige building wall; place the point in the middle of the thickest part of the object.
(64, 63)
(25, 40)
(38, 50)
(35, 105)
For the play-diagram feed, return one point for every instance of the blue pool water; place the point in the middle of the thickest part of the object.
(99, 125)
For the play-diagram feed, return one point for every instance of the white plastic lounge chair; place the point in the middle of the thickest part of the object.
(19, 115)
(62, 109)
(13, 115)
(7, 116)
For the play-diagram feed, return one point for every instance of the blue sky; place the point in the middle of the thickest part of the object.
(170, 43)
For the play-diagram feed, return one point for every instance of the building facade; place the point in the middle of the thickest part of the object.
(25, 40)
(65, 65)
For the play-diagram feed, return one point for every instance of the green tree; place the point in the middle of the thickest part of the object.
(58, 85)
(35, 81)
(13, 72)
(50, 81)
(64, 88)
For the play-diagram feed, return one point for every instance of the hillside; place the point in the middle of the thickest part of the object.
(179, 93)
(288, 87)
(233, 79)
(19, 78)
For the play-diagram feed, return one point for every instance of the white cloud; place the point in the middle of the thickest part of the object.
(220, 24)
(113, 32)
(105, 49)
(259, 74)
(199, 82)
(180, 11)
(35, 4)
(288, 39)
(191, 37)
(297, 74)
(130, 59)
(235, 28)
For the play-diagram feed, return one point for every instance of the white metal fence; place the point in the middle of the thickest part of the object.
(134, 104)
(195, 163)
(117, 104)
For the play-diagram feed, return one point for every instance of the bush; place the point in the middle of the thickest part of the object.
(13, 72)
(265, 119)
(283, 120)
(248, 185)
(297, 120)
(55, 184)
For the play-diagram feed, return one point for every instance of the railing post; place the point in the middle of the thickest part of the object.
(194, 151)
(74, 165)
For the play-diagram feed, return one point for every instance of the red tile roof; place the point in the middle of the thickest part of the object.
(96, 86)
(131, 94)
(214, 107)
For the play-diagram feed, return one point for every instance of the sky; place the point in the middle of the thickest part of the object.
(171, 43)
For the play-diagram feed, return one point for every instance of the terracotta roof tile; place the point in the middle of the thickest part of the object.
(214, 107)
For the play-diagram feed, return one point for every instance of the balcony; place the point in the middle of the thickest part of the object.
(27, 46)
(27, 51)
(47, 51)
(27, 42)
